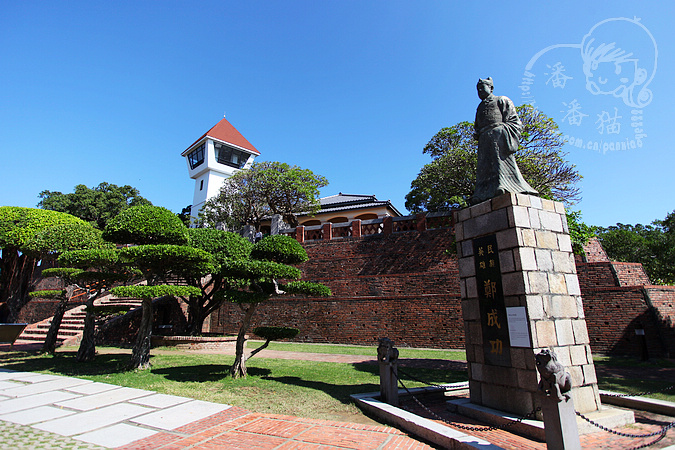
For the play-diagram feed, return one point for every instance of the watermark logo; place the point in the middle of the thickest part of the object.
(597, 90)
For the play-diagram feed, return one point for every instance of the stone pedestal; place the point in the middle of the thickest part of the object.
(520, 294)
(560, 422)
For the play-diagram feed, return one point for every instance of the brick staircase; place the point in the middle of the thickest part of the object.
(72, 325)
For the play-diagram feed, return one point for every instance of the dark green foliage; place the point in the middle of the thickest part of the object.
(265, 189)
(19, 226)
(146, 225)
(108, 310)
(184, 215)
(580, 233)
(68, 274)
(96, 205)
(651, 245)
(449, 180)
(151, 292)
(25, 239)
(281, 249)
(276, 333)
(168, 260)
(85, 259)
(223, 245)
(256, 270)
(307, 288)
(48, 293)
(237, 296)
(69, 236)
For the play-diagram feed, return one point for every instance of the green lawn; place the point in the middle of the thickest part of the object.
(278, 386)
(299, 388)
(404, 352)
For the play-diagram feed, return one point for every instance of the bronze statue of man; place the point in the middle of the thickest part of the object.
(497, 128)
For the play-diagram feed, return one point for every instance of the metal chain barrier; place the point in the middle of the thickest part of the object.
(457, 425)
(418, 380)
(660, 433)
(640, 394)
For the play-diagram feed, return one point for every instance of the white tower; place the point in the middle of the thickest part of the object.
(213, 158)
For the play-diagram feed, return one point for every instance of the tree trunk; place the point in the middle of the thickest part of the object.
(195, 318)
(140, 355)
(87, 350)
(52, 335)
(238, 369)
(16, 279)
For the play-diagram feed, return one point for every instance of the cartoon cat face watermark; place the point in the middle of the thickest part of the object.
(596, 90)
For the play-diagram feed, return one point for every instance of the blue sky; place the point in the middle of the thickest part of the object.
(353, 90)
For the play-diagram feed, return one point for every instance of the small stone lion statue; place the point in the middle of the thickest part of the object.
(386, 352)
(554, 380)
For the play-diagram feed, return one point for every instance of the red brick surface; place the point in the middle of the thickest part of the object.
(404, 286)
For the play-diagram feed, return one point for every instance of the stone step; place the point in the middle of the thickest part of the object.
(67, 327)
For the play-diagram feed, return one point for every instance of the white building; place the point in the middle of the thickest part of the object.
(213, 158)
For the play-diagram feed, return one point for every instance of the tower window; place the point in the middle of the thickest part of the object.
(230, 156)
(201, 185)
(196, 157)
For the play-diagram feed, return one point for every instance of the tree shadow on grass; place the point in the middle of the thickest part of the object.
(64, 363)
(339, 392)
(342, 392)
(204, 372)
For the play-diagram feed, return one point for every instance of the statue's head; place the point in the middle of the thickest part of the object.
(485, 87)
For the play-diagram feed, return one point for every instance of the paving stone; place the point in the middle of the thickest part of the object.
(9, 384)
(18, 376)
(102, 399)
(31, 401)
(92, 388)
(160, 400)
(91, 420)
(116, 435)
(46, 386)
(35, 415)
(177, 416)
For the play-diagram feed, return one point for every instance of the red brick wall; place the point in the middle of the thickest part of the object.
(403, 286)
(597, 275)
(613, 315)
(594, 251)
(662, 299)
(631, 274)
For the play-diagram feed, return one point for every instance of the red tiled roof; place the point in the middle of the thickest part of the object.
(225, 132)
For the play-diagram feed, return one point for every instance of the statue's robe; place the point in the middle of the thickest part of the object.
(498, 128)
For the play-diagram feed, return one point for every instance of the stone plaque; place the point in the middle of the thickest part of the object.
(494, 322)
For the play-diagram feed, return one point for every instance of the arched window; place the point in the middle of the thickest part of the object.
(367, 216)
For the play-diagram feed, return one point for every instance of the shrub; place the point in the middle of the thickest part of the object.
(276, 333)
(281, 249)
(146, 225)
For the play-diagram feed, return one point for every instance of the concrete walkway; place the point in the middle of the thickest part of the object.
(49, 411)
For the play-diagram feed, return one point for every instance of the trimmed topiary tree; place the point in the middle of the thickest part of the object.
(146, 225)
(99, 270)
(157, 256)
(259, 280)
(223, 246)
(28, 236)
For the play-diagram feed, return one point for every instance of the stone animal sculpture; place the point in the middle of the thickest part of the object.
(386, 352)
(554, 380)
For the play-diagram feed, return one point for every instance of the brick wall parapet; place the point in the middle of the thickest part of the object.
(359, 228)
